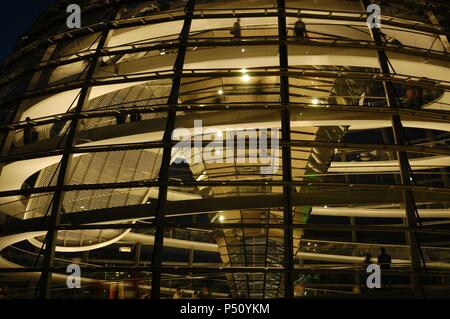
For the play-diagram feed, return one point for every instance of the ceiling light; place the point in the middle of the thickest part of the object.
(315, 101)
(221, 218)
(201, 177)
(246, 78)
(220, 92)
(125, 249)
(242, 50)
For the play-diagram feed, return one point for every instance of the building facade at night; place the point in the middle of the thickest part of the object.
(239, 149)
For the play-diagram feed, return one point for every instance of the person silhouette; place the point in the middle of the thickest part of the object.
(57, 127)
(30, 134)
(237, 30)
(121, 118)
(367, 261)
(384, 260)
(178, 294)
(135, 117)
(196, 295)
(299, 30)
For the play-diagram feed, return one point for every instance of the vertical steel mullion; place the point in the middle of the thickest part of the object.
(443, 170)
(267, 251)
(229, 261)
(405, 174)
(137, 254)
(57, 202)
(163, 177)
(17, 111)
(245, 257)
(354, 232)
(286, 149)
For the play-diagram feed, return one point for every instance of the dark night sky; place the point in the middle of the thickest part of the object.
(17, 18)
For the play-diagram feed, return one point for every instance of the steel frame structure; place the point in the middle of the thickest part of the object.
(66, 145)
